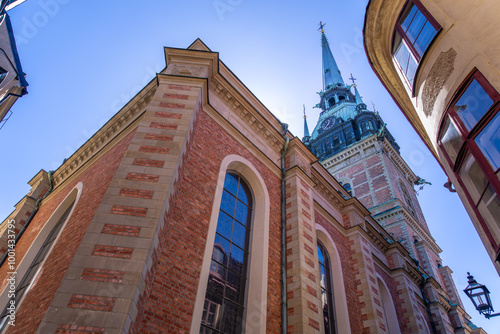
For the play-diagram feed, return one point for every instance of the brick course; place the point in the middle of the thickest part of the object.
(112, 251)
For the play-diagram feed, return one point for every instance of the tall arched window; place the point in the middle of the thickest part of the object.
(224, 300)
(326, 290)
(30, 275)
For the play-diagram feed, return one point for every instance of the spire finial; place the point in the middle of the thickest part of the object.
(306, 128)
(352, 79)
(321, 25)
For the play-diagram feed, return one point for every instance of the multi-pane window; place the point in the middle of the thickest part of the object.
(32, 272)
(326, 290)
(470, 137)
(413, 33)
(407, 198)
(224, 301)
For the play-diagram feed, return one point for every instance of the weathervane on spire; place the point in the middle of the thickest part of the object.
(321, 25)
(352, 79)
(304, 110)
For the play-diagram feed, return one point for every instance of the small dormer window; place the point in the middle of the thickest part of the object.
(341, 98)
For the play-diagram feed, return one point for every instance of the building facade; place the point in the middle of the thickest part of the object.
(435, 59)
(194, 210)
(13, 85)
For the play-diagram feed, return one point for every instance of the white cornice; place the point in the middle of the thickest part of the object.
(248, 113)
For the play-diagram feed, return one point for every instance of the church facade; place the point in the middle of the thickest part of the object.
(195, 210)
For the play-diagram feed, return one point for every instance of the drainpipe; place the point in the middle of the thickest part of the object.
(37, 206)
(427, 303)
(283, 233)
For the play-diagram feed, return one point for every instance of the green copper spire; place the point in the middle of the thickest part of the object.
(356, 94)
(331, 72)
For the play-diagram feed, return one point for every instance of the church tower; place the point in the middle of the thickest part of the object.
(355, 146)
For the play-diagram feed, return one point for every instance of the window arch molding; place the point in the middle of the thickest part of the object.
(339, 296)
(71, 199)
(388, 305)
(256, 291)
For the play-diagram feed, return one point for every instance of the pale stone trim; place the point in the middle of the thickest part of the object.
(341, 312)
(256, 298)
(388, 307)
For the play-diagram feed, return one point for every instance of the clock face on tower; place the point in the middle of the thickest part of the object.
(328, 123)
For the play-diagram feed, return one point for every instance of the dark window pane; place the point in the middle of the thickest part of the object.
(241, 213)
(416, 26)
(237, 260)
(489, 142)
(216, 278)
(239, 235)
(451, 140)
(473, 177)
(235, 287)
(425, 37)
(212, 310)
(228, 203)
(232, 318)
(473, 104)
(231, 184)
(222, 246)
(224, 225)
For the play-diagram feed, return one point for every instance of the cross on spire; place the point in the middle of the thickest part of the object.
(352, 79)
(321, 25)
(304, 110)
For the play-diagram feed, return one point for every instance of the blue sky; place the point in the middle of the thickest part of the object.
(84, 60)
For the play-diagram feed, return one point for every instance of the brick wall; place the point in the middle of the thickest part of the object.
(182, 241)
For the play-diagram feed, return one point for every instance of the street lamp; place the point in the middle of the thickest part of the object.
(480, 297)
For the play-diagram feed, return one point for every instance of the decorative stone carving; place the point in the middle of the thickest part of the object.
(187, 70)
(440, 72)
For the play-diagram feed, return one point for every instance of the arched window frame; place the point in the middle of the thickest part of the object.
(406, 51)
(390, 315)
(254, 319)
(71, 199)
(340, 299)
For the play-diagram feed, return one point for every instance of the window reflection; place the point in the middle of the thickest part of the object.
(224, 300)
(326, 290)
(413, 34)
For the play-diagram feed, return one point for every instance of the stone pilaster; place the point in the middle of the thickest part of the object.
(106, 277)
(303, 289)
